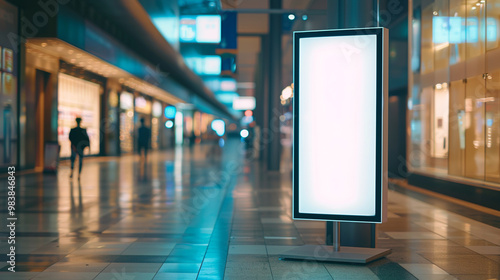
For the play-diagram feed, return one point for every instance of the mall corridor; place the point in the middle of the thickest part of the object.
(192, 213)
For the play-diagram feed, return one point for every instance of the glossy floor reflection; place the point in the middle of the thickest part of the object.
(199, 214)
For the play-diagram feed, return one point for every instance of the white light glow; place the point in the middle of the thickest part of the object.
(126, 100)
(228, 85)
(287, 93)
(200, 29)
(337, 120)
(291, 16)
(244, 133)
(157, 109)
(169, 124)
(219, 126)
(179, 128)
(204, 65)
(244, 103)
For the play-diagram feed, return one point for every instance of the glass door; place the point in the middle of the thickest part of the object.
(492, 100)
(456, 158)
(474, 128)
(475, 92)
(492, 133)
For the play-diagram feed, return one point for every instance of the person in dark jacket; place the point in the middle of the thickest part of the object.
(144, 139)
(79, 141)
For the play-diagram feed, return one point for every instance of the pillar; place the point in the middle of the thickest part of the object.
(275, 87)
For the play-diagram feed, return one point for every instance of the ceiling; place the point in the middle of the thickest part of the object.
(253, 21)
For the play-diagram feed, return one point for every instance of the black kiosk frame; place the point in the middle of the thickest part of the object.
(377, 173)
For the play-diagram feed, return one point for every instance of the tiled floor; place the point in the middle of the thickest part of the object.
(186, 215)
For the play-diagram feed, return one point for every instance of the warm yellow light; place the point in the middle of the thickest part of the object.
(287, 93)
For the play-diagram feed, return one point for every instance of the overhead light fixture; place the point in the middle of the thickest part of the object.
(291, 16)
(304, 17)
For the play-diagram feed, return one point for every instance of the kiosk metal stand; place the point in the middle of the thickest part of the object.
(335, 253)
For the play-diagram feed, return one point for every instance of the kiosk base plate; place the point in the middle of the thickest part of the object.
(326, 253)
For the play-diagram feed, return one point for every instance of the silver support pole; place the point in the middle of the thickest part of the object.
(336, 236)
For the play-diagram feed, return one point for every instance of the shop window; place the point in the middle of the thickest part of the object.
(427, 47)
(126, 122)
(492, 24)
(78, 98)
(440, 120)
(492, 135)
(441, 34)
(455, 126)
(456, 29)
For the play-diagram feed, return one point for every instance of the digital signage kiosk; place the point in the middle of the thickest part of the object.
(340, 133)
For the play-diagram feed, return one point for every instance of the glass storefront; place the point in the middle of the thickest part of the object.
(454, 106)
(155, 125)
(8, 86)
(78, 98)
(126, 122)
(143, 109)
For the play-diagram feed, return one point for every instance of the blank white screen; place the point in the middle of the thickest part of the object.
(337, 122)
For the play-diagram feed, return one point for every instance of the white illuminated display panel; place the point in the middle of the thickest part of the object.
(337, 120)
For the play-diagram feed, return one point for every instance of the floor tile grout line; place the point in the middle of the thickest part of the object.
(254, 195)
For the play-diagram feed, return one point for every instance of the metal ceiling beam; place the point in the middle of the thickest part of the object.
(276, 11)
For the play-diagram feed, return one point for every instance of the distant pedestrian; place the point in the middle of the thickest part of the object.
(192, 140)
(79, 141)
(144, 140)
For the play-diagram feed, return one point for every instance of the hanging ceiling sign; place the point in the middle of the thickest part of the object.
(200, 29)
(340, 125)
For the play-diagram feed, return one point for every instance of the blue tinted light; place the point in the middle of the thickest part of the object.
(489, 122)
(170, 112)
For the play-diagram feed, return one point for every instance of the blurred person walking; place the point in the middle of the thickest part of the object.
(79, 141)
(144, 140)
